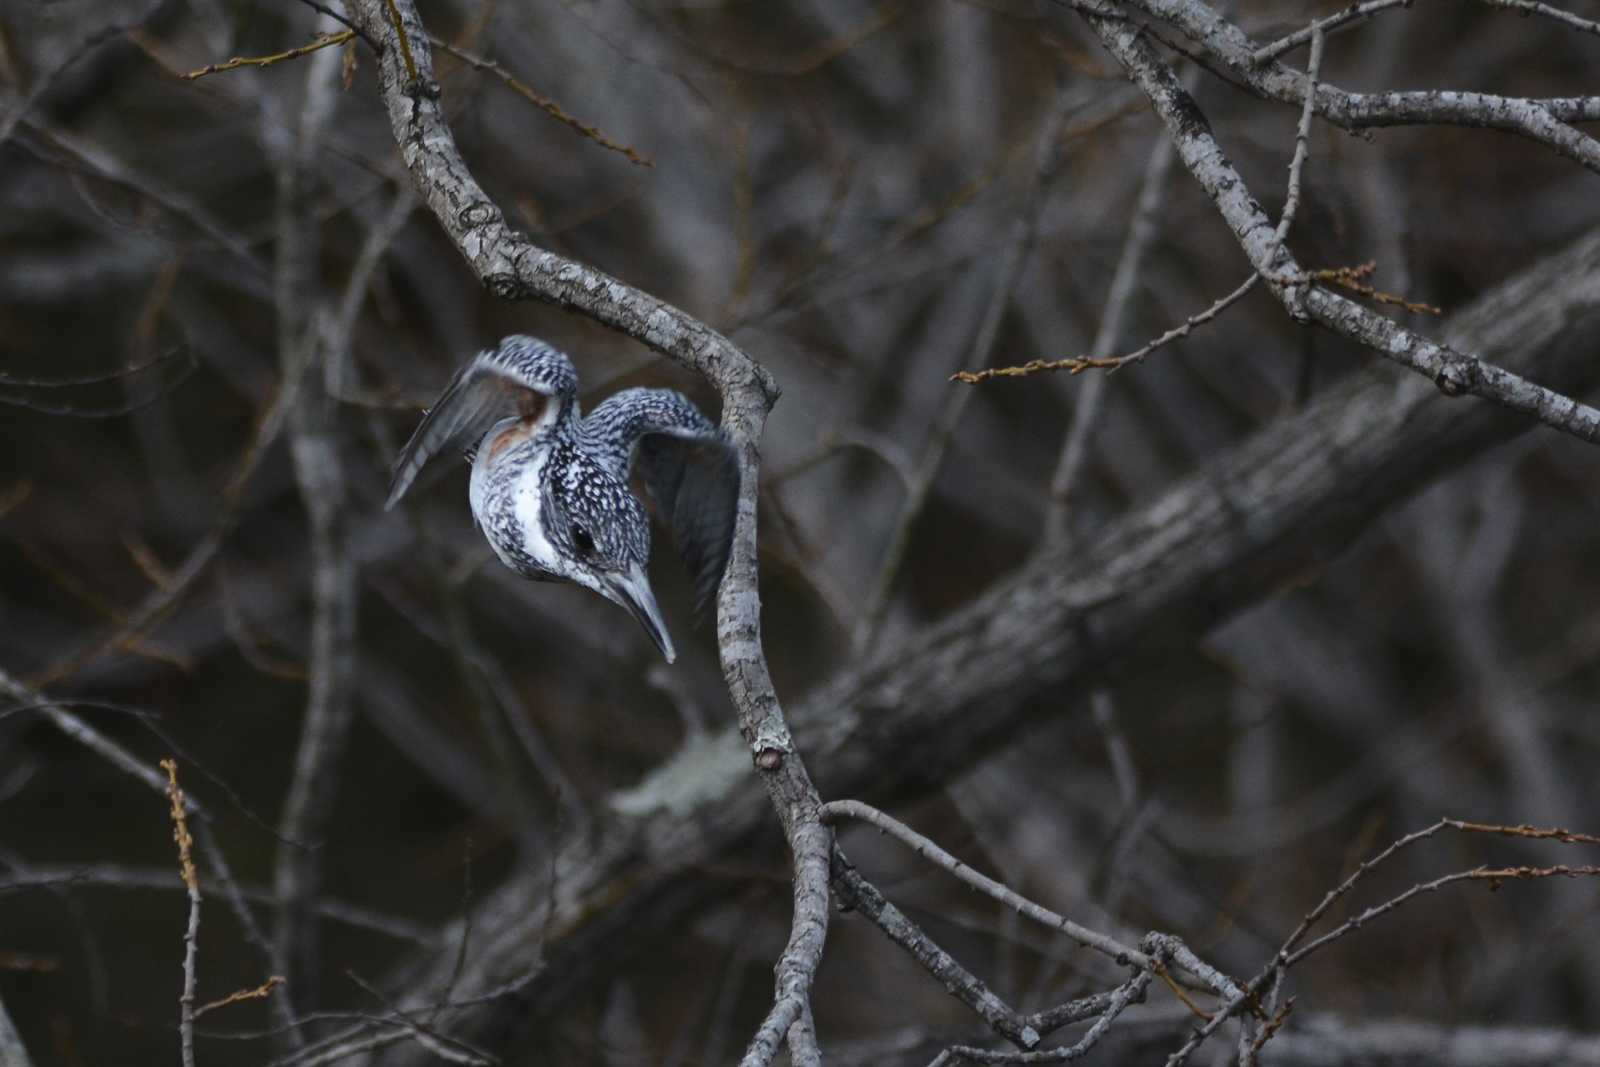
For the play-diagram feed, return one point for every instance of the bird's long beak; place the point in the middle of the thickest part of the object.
(632, 591)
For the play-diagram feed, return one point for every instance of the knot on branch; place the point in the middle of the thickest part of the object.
(1457, 375)
(478, 214)
(506, 285)
(420, 89)
(770, 759)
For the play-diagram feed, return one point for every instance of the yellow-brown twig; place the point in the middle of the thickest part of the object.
(180, 826)
(542, 102)
(1551, 833)
(1079, 364)
(263, 990)
(191, 936)
(1350, 278)
(1178, 990)
(405, 44)
(1271, 1028)
(1496, 875)
(325, 41)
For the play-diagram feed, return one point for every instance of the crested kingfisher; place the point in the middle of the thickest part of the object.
(550, 486)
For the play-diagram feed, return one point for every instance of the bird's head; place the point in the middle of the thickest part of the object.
(599, 536)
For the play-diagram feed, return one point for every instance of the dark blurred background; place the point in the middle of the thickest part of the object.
(835, 185)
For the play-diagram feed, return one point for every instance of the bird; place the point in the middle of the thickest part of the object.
(550, 486)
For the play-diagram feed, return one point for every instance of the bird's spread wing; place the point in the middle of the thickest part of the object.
(688, 470)
(499, 383)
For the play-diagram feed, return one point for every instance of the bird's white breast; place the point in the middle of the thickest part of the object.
(506, 485)
(527, 504)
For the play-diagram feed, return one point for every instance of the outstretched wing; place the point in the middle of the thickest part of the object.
(515, 380)
(688, 470)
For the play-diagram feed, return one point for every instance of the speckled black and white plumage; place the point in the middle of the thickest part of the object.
(551, 488)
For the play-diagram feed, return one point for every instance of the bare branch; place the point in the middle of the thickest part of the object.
(191, 882)
(1542, 120)
(861, 896)
(327, 40)
(1455, 373)
(1079, 364)
(542, 102)
(1327, 25)
(922, 846)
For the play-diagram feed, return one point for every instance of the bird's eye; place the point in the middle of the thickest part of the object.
(582, 541)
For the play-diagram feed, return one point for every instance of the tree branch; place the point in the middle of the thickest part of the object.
(514, 268)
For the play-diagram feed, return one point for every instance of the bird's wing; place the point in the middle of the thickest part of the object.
(490, 388)
(688, 470)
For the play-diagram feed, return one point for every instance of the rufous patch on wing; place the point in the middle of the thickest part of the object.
(511, 435)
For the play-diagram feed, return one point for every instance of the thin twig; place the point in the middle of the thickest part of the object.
(1130, 992)
(1024, 234)
(1302, 139)
(862, 897)
(1090, 397)
(260, 992)
(1079, 364)
(405, 43)
(542, 102)
(1534, 7)
(325, 41)
(835, 810)
(1454, 373)
(1350, 278)
(1339, 20)
(191, 937)
(342, 20)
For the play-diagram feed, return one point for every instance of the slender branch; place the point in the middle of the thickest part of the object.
(325, 41)
(320, 478)
(191, 882)
(1545, 120)
(1534, 7)
(1339, 20)
(1302, 140)
(1108, 334)
(260, 992)
(862, 897)
(342, 19)
(1079, 364)
(835, 810)
(1130, 992)
(1024, 233)
(542, 102)
(405, 44)
(1495, 876)
(1455, 373)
